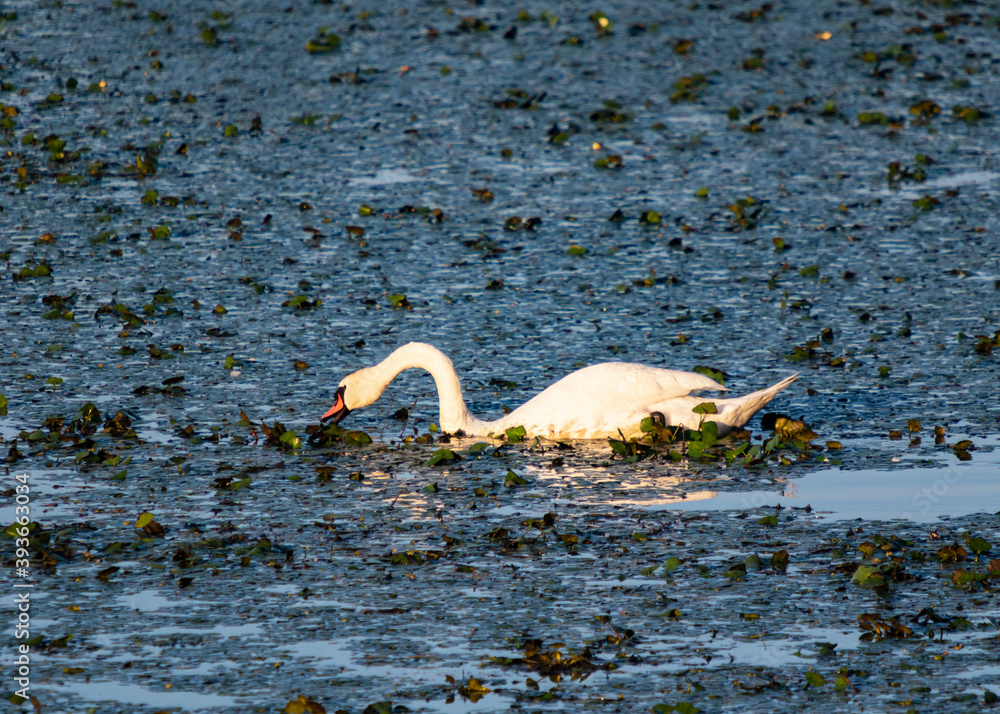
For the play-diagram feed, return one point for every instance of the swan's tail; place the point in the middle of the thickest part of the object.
(740, 410)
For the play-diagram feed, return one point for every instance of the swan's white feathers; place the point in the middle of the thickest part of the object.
(595, 402)
(603, 398)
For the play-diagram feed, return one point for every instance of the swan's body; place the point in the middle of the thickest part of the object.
(593, 403)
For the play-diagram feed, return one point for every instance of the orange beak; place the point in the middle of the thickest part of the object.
(338, 411)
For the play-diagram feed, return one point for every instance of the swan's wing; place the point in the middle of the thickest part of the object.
(611, 387)
(598, 401)
(623, 384)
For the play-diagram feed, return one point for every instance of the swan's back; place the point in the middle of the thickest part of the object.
(629, 383)
(599, 399)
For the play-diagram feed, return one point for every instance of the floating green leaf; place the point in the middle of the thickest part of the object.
(291, 440)
(717, 374)
(442, 456)
(515, 434)
(814, 679)
(613, 161)
(678, 708)
(979, 546)
(323, 43)
(356, 438)
(688, 88)
(512, 479)
(969, 114)
(868, 576)
(779, 561)
(869, 118)
(925, 108)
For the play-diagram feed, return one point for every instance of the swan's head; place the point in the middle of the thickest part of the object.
(354, 392)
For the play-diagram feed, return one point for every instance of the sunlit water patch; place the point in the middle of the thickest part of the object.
(335, 658)
(922, 483)
(979, 179)
(108, 691)
(53, 493)
(768, 650)
(920, 494)
(382, 177)
(155, 601)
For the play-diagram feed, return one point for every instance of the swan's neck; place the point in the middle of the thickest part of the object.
(416, 355)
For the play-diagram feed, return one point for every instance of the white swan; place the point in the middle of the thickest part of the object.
(593, 403)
